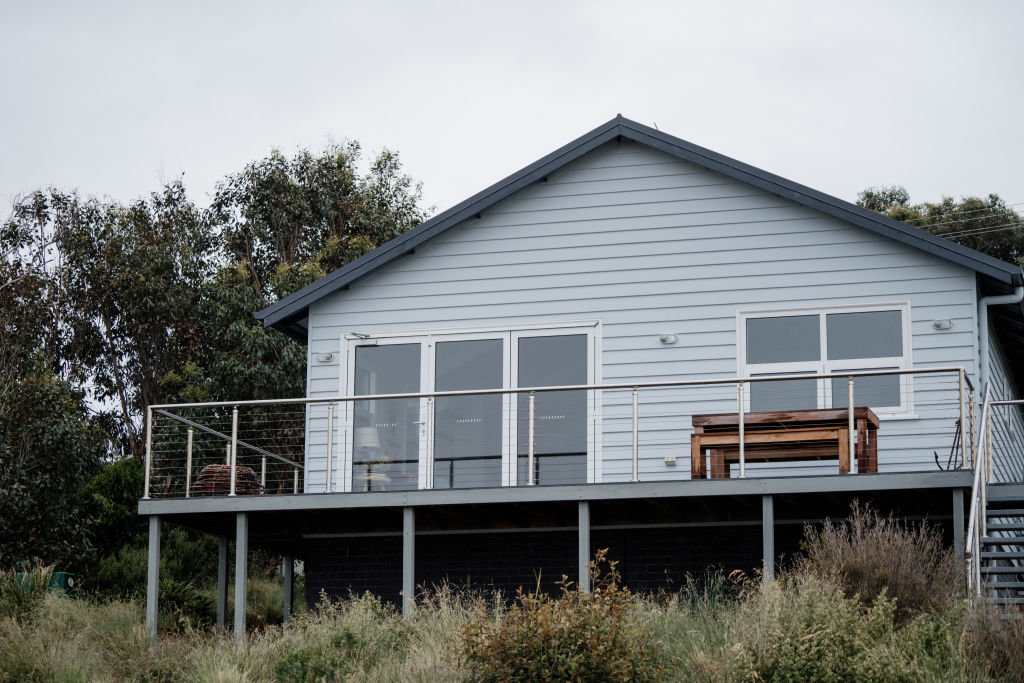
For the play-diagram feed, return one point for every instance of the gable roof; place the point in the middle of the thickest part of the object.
(288, 313)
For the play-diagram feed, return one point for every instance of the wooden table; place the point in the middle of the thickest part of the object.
(783, 436)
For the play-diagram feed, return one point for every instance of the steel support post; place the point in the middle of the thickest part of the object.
(330, 445)
(241, 573)
(222, 582)
(636, 434)
(740, 410)
(584, 546)
(149, 452)
(958, 523)
(233, 449)
(530, 457)
(849, 426)
(408, 560)
(153, 578)
(288, 577)
(768, 535)
(188, 463)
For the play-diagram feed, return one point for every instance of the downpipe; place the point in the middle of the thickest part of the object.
(983, 304)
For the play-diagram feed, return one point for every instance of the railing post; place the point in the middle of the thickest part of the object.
(849, 425)
(963, 419)
(234, 448)
(971, 400)
(430, 442)
(188, 464)
(149, 451)
(741, 411)
(295, 488)
(636, 434)
(330, 445)
(227, 458)
(530, 452)
(263, 471)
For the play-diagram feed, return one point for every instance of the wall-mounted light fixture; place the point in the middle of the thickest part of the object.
(324, 357)
(668, 338)
(944, 324)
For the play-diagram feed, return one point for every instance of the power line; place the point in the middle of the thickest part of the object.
(961, 213)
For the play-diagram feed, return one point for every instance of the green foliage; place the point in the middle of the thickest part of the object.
(986, 224)
(314, 209)
(577, 636)
(114, 495)
(807, 630)
(20, 591)
(869, 556)
(48, 448)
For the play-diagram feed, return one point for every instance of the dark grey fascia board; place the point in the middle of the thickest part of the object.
(285, 311)
(835, 483)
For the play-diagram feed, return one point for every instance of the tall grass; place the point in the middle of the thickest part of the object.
(810, 624)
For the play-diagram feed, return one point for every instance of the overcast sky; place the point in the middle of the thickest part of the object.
(114, 98)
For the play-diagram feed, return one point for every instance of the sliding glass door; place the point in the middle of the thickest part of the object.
(480, 440)
(468, 430)
(386, 433)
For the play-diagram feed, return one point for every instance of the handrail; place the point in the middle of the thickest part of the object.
(973, 541)
(243, 444)
(575, 387)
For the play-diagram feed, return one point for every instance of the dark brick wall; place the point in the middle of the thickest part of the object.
(367, 563)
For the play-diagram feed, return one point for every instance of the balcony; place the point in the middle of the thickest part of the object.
(475, 443)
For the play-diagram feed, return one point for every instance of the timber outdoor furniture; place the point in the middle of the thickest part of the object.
(783, 436)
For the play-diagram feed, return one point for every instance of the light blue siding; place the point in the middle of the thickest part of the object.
(1007, 421)
(648, 244)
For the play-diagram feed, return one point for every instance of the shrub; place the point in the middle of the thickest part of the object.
(807, 630)
(870, 555)
(995, 637)
(20, 591)
(591, 636)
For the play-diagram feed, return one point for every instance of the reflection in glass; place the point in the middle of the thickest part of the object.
(873, 334)
(784, 339)
(784, 394)
(386, 433)
(560, 417)
(874, 391)
(467, 429)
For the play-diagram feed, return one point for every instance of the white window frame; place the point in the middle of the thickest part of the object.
(350, 341)
(825, 366)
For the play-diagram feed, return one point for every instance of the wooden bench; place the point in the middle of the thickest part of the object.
(783, 436)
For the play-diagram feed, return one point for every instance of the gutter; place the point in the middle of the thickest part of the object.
(983, 304)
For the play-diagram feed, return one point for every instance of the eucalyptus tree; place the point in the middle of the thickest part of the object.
(986, 224)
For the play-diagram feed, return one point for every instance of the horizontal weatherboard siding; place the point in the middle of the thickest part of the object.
(650, 244)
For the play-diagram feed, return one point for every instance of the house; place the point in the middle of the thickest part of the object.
(711, 322)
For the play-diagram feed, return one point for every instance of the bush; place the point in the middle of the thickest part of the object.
(869, 556)
(577, 636)
(805, 629)
(20, 591)
(995, 637)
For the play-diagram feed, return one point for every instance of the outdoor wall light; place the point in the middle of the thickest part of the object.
(325, 357)
(942, 324)
(668, 339)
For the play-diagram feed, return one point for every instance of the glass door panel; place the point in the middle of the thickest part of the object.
(468, 429)
(560, 417)
(386, 433)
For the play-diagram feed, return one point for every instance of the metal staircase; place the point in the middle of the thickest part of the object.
(995, 535)
(1002, 554)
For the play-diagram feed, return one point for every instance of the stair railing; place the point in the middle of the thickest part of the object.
(976, 519)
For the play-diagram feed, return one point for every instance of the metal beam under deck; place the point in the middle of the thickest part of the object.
(850, 483)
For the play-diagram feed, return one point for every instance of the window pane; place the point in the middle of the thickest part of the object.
(875, 334)
(785, 394)
(560, 417)
(784, 339)
(386, 434)
(875, 391)
(467, 429)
